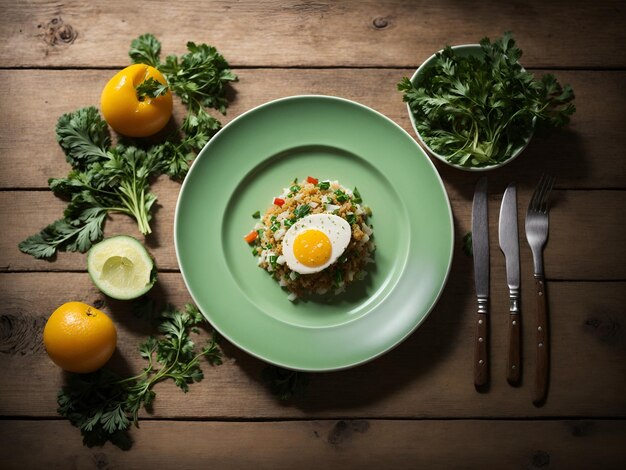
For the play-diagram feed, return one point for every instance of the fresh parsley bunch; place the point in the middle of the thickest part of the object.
(103, 405)
(106, 178)
(476, 111)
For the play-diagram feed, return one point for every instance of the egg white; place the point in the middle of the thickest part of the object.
(337, 229)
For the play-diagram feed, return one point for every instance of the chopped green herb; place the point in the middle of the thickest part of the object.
(351, 218)
(275, 226)
(356, 196)
(256, 215)
(340, 196)
(302, 211)
(338, 279)
(272, 260)
(323, 185)
(295, 188)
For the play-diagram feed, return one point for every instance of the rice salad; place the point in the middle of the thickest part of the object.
(314, 238)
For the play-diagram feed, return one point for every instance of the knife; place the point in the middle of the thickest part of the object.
(480, 248)
(509, 244)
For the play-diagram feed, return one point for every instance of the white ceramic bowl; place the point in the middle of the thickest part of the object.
(462, 50)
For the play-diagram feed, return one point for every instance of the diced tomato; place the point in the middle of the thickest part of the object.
(251, 236)
(310, 179)
(278, 201)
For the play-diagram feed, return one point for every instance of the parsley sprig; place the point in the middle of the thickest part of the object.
(103, 405)
(198, 77)
(150, 88)
(105, 178)
(476, 111)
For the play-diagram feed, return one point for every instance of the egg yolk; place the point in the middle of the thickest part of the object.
(312, 248)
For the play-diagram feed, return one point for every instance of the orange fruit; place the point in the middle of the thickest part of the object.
(79, 338)
(129, 114)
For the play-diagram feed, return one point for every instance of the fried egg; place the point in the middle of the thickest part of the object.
(315, 242)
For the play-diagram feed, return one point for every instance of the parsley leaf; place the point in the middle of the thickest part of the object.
(150, 88)
(74, 235)
(145, 50)
(83, 136)
(103, 405)
(477, 111)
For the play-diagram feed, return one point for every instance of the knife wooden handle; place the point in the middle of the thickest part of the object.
(481, 365)
(513, 372)
(543, 358)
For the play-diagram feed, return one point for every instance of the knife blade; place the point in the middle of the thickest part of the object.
(509, 244)
(480, 248)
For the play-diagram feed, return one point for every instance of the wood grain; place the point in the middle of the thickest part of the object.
(360, 33)
(569, 254)
(588, 153)
(414, 407)
(429, 375)
(328, 444)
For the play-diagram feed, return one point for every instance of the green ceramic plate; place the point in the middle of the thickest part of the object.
(247, 163)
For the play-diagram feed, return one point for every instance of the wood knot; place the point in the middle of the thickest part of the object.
(540, 459)
(343, 431)
(21, 334)
(380, 22)
(101, 461)
(56, 32)
(607, 329)
(581, 428)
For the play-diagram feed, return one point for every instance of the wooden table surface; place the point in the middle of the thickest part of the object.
(414, 407)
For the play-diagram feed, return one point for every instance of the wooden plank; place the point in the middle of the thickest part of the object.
(429, 375)
(586, 154)
(31, 211)
(354, 33)
(327, 444)
(589, 252)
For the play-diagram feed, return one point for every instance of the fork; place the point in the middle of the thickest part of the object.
(537, 223)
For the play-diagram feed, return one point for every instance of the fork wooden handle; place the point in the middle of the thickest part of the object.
(543, 358)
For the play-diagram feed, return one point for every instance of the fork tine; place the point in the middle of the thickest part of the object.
(543, 205)
(535, 200)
